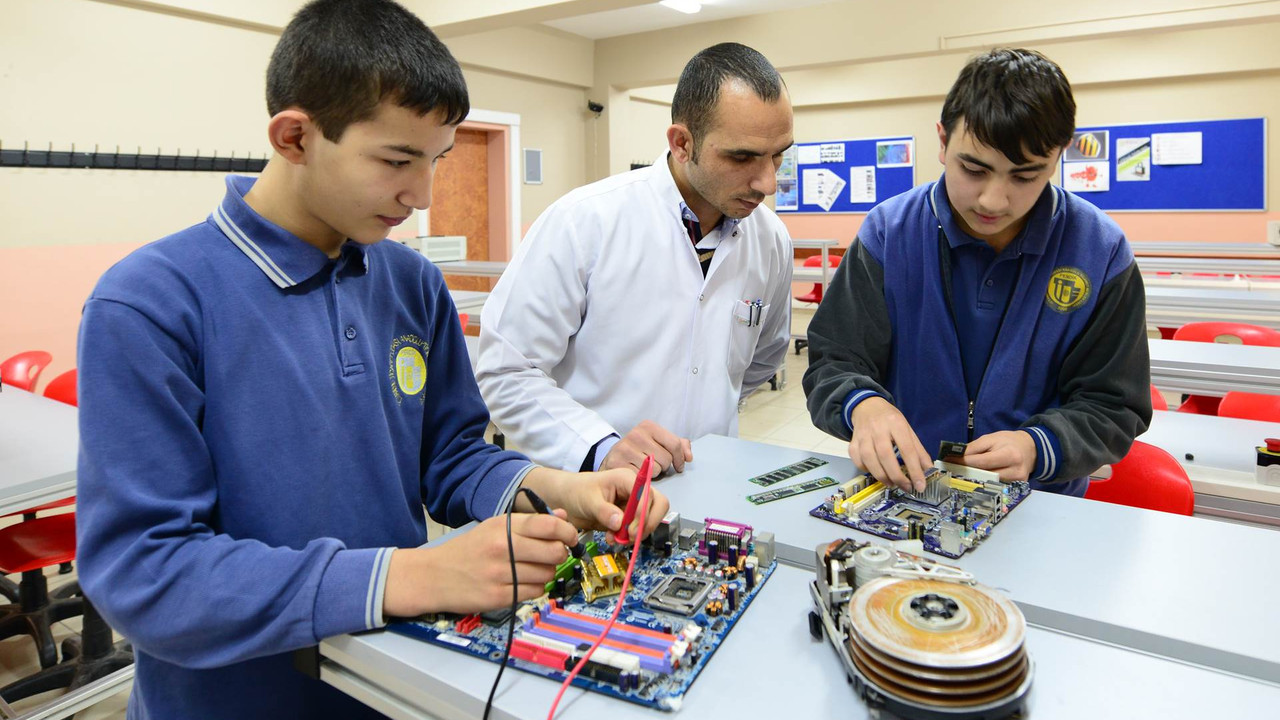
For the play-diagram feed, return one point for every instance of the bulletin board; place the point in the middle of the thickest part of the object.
(845, 176)
(1207, 165)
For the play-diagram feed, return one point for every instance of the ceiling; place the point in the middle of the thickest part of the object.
(644, 18)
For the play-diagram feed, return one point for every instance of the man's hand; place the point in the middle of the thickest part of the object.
(649, 438)
(1011, 453)
(878, 428)
(472, 572)
(595, 501)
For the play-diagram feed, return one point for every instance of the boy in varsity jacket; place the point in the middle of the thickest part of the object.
(989, 307)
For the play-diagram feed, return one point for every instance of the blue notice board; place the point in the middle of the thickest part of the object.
(1231, 173)
(841, 176)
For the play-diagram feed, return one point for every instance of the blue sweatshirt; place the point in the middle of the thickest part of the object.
(1069, 364)
(260, 425)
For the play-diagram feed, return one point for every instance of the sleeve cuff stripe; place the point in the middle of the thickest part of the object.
(1045, 449)
(853, 400)
(377, 588)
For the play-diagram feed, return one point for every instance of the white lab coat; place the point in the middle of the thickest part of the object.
(604, 319)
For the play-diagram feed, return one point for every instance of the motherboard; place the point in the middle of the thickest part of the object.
(955, 512)
(689, 587)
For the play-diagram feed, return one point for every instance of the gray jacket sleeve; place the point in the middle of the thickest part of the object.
(1105, 382)
(841, 361)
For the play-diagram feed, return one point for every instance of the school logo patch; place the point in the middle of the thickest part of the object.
(408, 370)
(1068, 289)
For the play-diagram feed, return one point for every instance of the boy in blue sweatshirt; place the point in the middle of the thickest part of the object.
(990, 306)
(269, 398)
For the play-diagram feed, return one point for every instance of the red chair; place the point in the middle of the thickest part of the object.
(1147, 477)
(1157, 400)
(27, 548)
(22, 370)
(464, 318)
(1223, 332)
(1250, 406)
(62, 388)
(815, 295)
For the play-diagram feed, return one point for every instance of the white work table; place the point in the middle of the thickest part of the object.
(770, 667)
(480, 268)
(1177, 306)
(1183, 588)
(39, 442)
(1207, 368)
(1219, 457)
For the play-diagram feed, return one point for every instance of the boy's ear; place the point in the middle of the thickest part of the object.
(942, 144)
(290, 131)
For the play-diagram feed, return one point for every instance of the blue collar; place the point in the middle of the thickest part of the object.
(283, 257)
(727, 224)
(1034, 237)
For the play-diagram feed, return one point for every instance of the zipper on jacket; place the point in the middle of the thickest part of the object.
(971, 403)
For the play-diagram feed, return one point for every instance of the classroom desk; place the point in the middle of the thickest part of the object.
(470, 302)
(39, 442)
(823, 244)
(1223, 266)
(39, 447)
(769, 667)
(1177, 306)
(1203, 368)
(1179, 587)
(1218, 455)
(1254, 250)
(1133, 614)
(479, 268)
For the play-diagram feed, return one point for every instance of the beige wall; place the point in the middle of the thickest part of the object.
(872, 69)
(189, 75)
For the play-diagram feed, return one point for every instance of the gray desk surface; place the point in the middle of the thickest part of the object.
(770, 667)
(1176, 306)
(1180, 587)
(487, 268)
(1214, 368)
(39, 442)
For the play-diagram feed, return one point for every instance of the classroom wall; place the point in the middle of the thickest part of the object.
(190, 75)
(862, 69)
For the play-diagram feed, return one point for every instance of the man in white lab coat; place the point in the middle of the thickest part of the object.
(639, 309)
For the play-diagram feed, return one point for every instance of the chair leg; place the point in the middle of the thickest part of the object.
(9, 589)
(65, 568)
(59, 676)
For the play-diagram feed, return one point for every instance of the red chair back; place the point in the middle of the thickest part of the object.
(464, 318)
(1250, 406)
(22, 370)
(815, 295)
(1147, 477)
(1228, 332)
(1157, 400)
(62, 388)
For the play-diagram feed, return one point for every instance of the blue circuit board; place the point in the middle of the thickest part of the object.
(678, 574)
(949, 521)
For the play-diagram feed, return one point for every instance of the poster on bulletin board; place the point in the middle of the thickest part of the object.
(1207, 165)
(845, 176)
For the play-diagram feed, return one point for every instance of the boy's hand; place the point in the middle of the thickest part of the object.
(879, 428)
(1010, 453)
(649, 438)
(594, 501)
(472, 572)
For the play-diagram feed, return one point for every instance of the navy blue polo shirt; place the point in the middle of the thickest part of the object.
(982, 282)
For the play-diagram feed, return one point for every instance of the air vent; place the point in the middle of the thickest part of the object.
(532, 167)
(445, 248)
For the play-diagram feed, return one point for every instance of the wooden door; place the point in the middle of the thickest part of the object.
(460, 201)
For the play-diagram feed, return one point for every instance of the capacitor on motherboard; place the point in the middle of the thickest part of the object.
(733, 554)
(750, 575)
(667, 549)
(560, 587)
(577, 573)
(915, 530)
(713, 551)
(733, 598)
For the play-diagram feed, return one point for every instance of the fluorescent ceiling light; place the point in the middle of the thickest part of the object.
(684, 6)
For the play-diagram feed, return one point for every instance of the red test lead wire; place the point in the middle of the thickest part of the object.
(641, 491)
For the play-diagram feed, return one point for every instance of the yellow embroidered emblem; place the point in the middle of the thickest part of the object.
(1068, 289)
(408, 366)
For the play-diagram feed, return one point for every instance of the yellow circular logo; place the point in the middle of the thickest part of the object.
(1068, 289)
(411, 371)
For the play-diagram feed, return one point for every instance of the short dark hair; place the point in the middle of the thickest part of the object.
(337, 60)
(1013, 100)
(698, 90)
